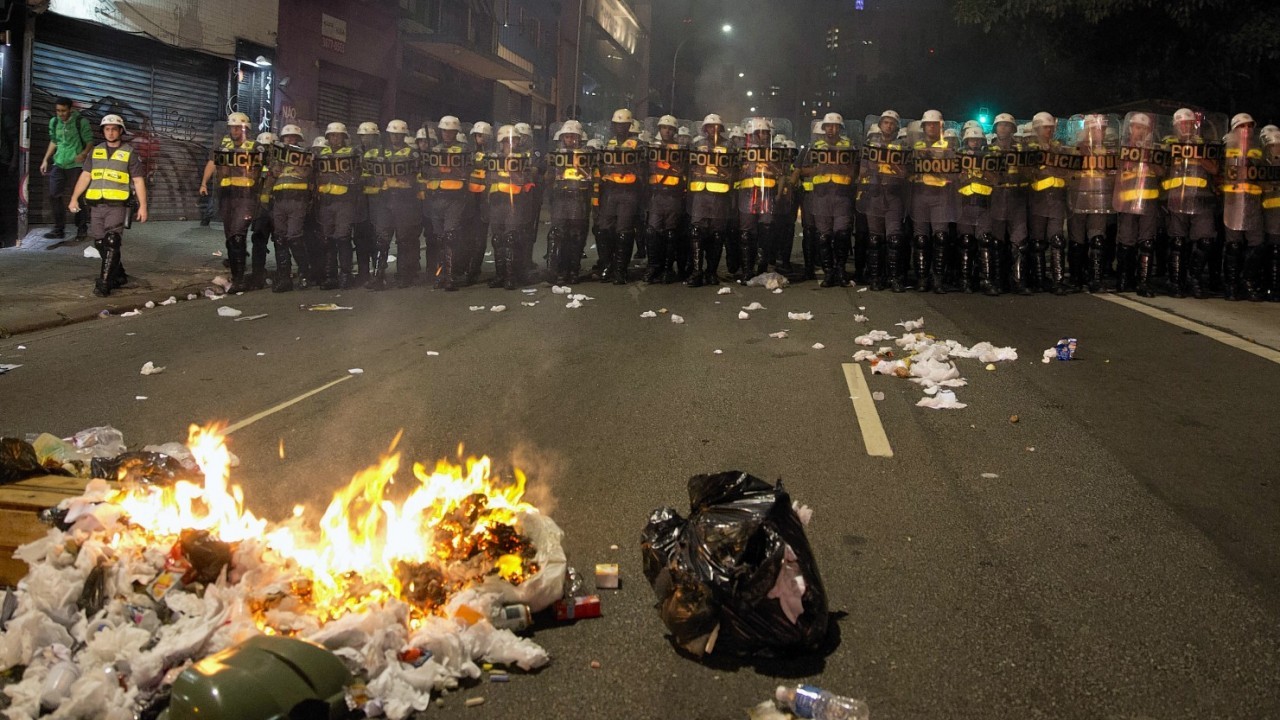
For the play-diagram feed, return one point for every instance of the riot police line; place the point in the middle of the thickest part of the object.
(1187, 204)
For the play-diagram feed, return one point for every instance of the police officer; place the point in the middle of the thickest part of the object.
(395, 208)
(881, 198)
(1090, 198)
(710, 205)
(619, 195)
(666, 200)
(111, 172)
(477, 230)
(569, 182)
(447, 169)
(1008, 209)
(975, 187)
(288, 181)
(1242, 211)
(338, 189)
(262, 230)
(1048, 207)
(1190, 202)
(364, 238)
(831, 203)
(1137, 205)
(510, 204)
(760, 181)
(932, 205)
(238, 164)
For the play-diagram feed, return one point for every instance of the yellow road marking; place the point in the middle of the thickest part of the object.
(865, 408)
(240, 424)
(1225, 338)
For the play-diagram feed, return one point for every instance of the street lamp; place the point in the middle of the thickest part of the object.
(725, 28)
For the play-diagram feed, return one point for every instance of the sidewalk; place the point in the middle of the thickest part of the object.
(42, 286)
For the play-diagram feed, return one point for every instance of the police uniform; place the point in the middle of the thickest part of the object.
(829, 192)
(665, 217)
(238, 166)
(1242, 217)
(338, 191)
(510, 204)
(978, 248)
(1047, 213)
(289, 185)
(710, 207)
(111, 171)
(396, 212)
(881, 188)
(569, 189)
(477, 232)
(447, 170)
(620, 196)
(1008, 214)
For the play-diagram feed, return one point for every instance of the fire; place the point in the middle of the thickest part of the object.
(452, 527)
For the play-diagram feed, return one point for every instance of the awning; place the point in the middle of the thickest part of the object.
(473, 61)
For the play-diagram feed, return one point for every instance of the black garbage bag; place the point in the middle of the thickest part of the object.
(140, 467)
(18, 461)
(716, 573)
(206, 554)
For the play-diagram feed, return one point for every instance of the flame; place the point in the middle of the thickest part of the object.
(454, 526)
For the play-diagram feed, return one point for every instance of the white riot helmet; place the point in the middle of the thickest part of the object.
(622, 115)
(422, 134)
(367, 128)
(736, 132)
(398, 126)
(524, 129)
(508, 132)
(1142, 119)
(1270, 137)
(682, 131)
(570, 127)
(337, 127)
(712, 119)
(833, 118)
(319, 141)
(891, 114)
(595, 143)
(931, 116)
(635, 126)
(449, 122)
(481, 128)
(1004, 117)
(238, 119)
(757, 124)
(970, 123)
(669, 121)
(290, 130)
(1184, 115)
(974, 132)
(1043, 119)
(112, 119)
(1241, 119)
(266, 138)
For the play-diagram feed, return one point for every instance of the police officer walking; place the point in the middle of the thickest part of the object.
(112, 171)
(238, 164)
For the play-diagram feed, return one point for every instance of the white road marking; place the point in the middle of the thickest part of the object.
(865, 408)
(240, 424)
(1225, 338)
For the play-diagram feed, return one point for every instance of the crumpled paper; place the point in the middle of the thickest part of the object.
(743, 315)
(648, 314)
(561, 289)
(873, 337)
(769, 281)
(910, 325)
(150, 368)
(799, 316)
(92, 252)
(753, 306)
(677, 319)
(943, 400)
(228, 311)
(724, 291)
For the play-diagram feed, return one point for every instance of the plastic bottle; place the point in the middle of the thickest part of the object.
(808, 701)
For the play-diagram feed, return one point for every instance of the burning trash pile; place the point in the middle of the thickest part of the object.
(927, 361)
(411, 587)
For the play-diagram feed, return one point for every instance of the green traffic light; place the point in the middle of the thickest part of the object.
(982, 119)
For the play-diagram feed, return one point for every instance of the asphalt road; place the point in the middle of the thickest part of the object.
(1121, 565)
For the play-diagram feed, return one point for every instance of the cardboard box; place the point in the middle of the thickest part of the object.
(20, 506)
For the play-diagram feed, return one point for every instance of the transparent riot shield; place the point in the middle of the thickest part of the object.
(1095, 142)
(1142, 163)
(1243, 172)
(832, 158)
(1195, 159)
(934, 172)
(885, 161)
(981, 167)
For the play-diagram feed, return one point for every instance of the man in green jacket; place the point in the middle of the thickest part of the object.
(70, 139)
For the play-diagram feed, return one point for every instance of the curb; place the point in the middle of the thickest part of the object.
(123, 304)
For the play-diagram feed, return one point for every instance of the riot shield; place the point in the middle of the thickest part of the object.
(1195, 157)
(1095, 140)
(831, 162)
(1142, 164)
(885, 161)
(935, 172)
(1243, 175)
(762, 168)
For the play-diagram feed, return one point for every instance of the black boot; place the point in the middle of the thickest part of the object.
(378, 273)
(258, 269)
(1076, 274)
(714, 244)
(1177, 281)
(654, 242)
(939, 265)
(622, 256)
(1040, 273)
(875, 271)
(672, 253)
(555, 254)
(827, 257)
(1231, 252)
(1096, 249)
(448, 258)
(1146, 267)
(989, 266)
(510, 269)
(1018, 279)
(784, 245)
(895, 267)
(969, 253)
(841, 248)
(920, 261)
(1126, 259)
(236, 251)
(809, 251)
(1057, 278)
(499, 263)
(766, 239)
(283, 281)
(696, 258)
(748, 246)
(109, 249)
(1196, 267)
(1251, 273)
(605, 241)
